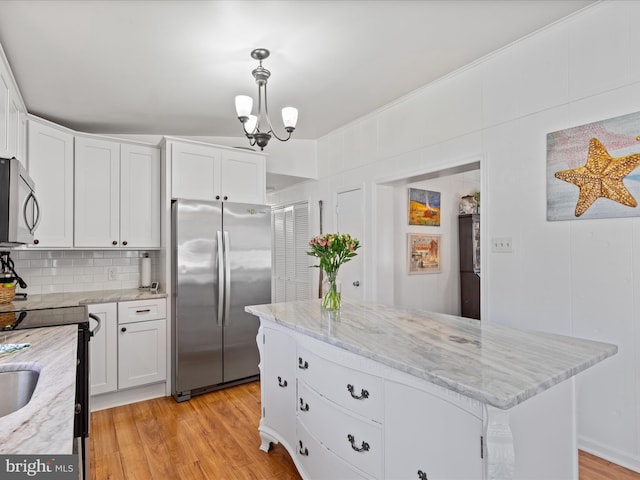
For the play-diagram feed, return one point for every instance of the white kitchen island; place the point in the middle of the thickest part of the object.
(385, 392)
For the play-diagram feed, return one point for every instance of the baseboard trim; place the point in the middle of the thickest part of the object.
(632, 462)
(125, 397)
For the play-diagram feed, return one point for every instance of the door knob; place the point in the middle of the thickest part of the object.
(356, 283)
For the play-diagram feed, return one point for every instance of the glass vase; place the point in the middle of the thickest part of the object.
(331, 292)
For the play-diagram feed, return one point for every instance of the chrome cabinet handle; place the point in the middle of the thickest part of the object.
(363, 448)
(302, 364)
(303, 450)
(281, 383)
(363, 393)
(304, 407)
(422, 475)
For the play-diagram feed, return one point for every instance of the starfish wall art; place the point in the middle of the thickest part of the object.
(591, 170)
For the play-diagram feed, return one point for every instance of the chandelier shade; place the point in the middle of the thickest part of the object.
(258, 128)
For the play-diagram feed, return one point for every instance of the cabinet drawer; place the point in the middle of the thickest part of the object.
(142, 310)
(358, 441)
(357, 391)
(318, 462)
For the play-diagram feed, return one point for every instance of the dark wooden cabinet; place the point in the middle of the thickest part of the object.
(469, 241)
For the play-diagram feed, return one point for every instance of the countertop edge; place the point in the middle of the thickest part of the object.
(500, 402)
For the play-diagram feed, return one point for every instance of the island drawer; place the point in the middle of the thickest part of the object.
(356, 440)
(358, 391)
(318, 462)
(142, 310)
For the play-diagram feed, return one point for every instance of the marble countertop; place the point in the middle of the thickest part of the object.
(73, 299)
(489, 362)
(45, 424)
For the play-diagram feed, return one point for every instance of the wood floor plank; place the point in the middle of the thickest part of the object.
(215, 437)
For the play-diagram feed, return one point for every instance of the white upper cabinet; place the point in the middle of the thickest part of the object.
(12, 111)
(51, 168)
(97, 193)
(140, 196)
(243, 177)
(207, 172)
(117, 195)
(195, 172)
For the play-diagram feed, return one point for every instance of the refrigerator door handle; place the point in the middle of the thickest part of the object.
(227, 279)
(220, 277)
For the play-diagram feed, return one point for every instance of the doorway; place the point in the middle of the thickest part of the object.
(395, 282)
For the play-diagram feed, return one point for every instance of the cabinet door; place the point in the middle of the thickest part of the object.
(13, 128)
(4, 112)
(51, 168)
(142, 353)
(243, 177)
(103, 349)
(424, 432)
(195, 172)
(97, 193)
(278, 383)
(139, 196)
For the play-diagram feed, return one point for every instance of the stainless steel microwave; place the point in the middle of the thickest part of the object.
(19, 209)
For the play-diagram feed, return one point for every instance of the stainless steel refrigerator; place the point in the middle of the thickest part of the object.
(221, 263)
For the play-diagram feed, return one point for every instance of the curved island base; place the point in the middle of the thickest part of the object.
(388, 393)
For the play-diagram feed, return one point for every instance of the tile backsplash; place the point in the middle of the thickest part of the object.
(57, 271)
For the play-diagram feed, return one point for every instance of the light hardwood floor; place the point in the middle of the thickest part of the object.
(214, 436)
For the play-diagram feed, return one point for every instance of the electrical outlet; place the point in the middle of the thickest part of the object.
(111, 273)
(501, 245)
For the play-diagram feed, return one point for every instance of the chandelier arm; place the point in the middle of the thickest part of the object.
(266, 111)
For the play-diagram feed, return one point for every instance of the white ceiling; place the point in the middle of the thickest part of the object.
(173, 67)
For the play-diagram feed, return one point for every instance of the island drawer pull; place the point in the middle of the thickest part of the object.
(281, 383)
(363, 393)
(304, 451)
(422, 475)
(363, 448)
(302, 364)
(304, 407)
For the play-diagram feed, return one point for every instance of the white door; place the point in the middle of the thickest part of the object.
(350, 220)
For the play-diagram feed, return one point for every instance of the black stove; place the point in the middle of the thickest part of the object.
(46, 317)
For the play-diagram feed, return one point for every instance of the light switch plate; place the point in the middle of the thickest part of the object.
(502, 245)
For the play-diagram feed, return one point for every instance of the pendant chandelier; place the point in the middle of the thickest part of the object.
(257, 131)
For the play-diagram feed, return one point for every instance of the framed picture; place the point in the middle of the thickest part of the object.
(423, 252)
(424, 207)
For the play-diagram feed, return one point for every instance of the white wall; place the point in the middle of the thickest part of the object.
(572, 277)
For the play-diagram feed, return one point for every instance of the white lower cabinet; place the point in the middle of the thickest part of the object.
(426, 433)
(318, 462)
(354, 439)
(103, 349)
(278, 382)
(142, 355)
(128, 351)
(352, 417)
